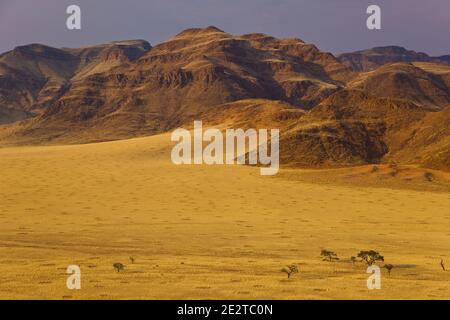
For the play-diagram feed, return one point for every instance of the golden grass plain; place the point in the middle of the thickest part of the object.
(209, 232)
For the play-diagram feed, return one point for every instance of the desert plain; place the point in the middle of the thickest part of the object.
(213, 232)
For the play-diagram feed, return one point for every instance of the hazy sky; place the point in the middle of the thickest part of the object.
(333, 25)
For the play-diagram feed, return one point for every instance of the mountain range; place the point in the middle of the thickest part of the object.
(386, 104)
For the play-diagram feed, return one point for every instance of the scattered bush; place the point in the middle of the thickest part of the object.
(353, 259)
(118, 266)
(442, 265)
(389, 267)
(370, 257)
(132, 260)
(328, 255)
(428, 176)
(289, 270)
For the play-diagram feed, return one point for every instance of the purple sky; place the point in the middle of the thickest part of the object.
(333, 25)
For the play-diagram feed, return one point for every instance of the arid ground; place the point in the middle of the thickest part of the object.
(220, 232)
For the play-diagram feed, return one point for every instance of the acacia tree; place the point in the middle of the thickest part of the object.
(389, 267)
(370, 256)
(329, 255)
(289, 270)
(118, 266)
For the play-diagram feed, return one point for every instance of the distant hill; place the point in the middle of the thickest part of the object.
(370, 59)
(406, 81)
(32, 77)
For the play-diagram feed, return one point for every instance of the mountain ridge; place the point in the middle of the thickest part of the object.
(370, 59)
(330, 113)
